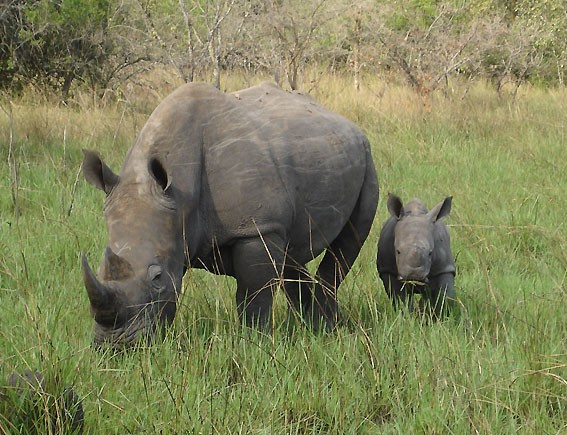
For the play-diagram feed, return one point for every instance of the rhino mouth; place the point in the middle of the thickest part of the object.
(121, 338)
(414, 281)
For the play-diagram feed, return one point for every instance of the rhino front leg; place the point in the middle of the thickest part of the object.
(442, 293)
(257, 264)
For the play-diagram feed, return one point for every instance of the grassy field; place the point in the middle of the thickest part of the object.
(497, 365)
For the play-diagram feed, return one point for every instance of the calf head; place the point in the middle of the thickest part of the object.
(135, 293)
(414, 239)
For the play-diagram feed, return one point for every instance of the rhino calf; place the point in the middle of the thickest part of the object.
(414, 253)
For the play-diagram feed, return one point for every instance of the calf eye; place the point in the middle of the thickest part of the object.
(154, 273)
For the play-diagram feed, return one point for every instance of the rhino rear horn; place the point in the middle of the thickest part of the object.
(116, 267)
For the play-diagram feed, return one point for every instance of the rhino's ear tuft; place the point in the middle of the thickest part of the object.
(98, 173)
(159, 174)
(442, 209)
(395, 205)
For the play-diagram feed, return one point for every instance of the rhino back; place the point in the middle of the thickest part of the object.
(257, 160)
(276, 161)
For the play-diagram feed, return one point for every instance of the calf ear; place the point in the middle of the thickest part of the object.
(441, 210)
(395, 205)
(97, 173)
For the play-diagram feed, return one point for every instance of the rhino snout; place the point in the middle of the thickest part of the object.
(129, 311)
(413, 263)
(410, 272)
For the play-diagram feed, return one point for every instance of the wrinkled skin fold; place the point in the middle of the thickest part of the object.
(414, 254)
(252, 184)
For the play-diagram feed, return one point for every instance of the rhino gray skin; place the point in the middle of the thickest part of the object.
(414, 253)
(252, 184)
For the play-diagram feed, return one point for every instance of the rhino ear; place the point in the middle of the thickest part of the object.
(395, 205)
(441, 210)
(159, 174)
(97, 173)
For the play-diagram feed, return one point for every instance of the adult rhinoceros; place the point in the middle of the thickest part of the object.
(252, 184)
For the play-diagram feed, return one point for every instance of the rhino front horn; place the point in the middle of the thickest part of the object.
(99, 295)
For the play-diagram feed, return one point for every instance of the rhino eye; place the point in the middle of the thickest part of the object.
(154, 273)
(398, 251)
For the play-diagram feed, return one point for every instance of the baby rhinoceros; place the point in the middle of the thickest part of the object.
(414, 254)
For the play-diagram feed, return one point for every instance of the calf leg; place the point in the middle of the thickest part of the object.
(396, 291)
(257, 264)
(442, 293)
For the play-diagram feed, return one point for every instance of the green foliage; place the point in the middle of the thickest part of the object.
(102, 43)
(55, 43)
(548, 18)
(412, 13)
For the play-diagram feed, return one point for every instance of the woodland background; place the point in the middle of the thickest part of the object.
(104, 44)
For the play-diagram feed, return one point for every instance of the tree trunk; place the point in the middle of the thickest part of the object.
(214, 53)
(69, 76)
(356, 51)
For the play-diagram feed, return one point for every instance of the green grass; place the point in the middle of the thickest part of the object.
(497, 365)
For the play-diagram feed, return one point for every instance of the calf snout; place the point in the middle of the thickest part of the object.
(414, 265)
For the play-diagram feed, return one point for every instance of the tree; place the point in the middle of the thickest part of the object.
(521, 40)
(428, 43)
(188, 34)
(56, 43)
(546, 25)
(101, 43)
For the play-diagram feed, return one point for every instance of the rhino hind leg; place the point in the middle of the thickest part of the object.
(257, 266)
(315, 302)
(342, 253)
(298, 287)
(334, 267)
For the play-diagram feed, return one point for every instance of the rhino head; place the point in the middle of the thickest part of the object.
(414, 237)
(135, 293)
